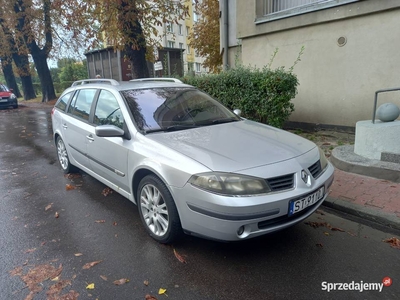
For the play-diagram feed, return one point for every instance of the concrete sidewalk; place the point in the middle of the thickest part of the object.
(370, 198)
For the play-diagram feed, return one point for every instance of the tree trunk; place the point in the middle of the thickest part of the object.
(6, 65)
(46, 81)
(134, 51)
(22, 63)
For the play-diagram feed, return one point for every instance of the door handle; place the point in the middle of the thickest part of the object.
(65, 126)
(90, 138)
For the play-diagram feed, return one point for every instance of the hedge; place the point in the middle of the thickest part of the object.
(263, 95)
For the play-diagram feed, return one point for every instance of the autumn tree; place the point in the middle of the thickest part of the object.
(205, 36)
(34, 26)
(128, 25)
(13, 51)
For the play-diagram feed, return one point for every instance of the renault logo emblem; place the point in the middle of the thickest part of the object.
(305, 177)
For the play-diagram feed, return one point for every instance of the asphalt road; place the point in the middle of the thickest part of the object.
(48, 233)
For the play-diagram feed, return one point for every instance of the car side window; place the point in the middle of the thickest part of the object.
(81, 103)
(108, 111)
(62, 101)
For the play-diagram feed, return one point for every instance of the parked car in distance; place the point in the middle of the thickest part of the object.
(190, 164)
(7, 97)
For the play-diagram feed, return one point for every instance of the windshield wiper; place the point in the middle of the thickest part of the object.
(226, 120)
(172, 128)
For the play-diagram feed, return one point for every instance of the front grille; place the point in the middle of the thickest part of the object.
(315, 169)
(281, 183)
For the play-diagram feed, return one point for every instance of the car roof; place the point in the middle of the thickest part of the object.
(143, 83)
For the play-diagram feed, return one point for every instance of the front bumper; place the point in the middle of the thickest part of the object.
(8, 102)
(237, 218)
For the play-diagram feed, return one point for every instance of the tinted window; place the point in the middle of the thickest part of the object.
(164, 108)
(62, 101)
(81, 103)
(108, 111)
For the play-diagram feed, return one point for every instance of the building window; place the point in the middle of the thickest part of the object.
(188, 49)
(170, 27)
(198, 66)
(171, 44)
(180, 45)
(283, 8)
(187, 30)
(180, 32)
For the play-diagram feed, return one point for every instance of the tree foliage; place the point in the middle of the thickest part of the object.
(205, 36)
(129, 25)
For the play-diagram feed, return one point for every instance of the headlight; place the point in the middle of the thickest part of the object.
(230, 184)
(323, 160)
(12, 96)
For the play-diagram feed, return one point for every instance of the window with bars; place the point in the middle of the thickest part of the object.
(293, 7)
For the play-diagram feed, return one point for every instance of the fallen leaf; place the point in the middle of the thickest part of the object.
(91, 264)
(55, 278)
(90, 286)
(162, 291)
(73, 175)
(106, 192)
(179, 257)
(103, 277)
(56, 215)
(69, 187)
(16, 272)
(146, 282)
(394, 242)
(48, 207)
(326, 233)
(317, 224)
(100, 221)
(319, 212)
(115, 223)
(121, 281)
(337, 229)
(30, 250)
(319, 245)
(150, 297)
(43, 243)
(78, 254)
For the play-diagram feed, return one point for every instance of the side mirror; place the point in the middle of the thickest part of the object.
(109, 131)
(237, 112)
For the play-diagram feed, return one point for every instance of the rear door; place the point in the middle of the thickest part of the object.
(76, 127)
(109, 155)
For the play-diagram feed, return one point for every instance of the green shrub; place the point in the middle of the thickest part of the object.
(263, 95)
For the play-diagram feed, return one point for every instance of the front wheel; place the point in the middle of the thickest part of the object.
(63, 157)
(157, 210)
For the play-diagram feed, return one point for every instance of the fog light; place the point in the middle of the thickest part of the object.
(240, 230)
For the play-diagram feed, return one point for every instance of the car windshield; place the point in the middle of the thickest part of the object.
(173, 108)
(3, 88)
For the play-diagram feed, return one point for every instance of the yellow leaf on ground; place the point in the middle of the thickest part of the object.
(90, 286)
(78, 254)
(162, 291)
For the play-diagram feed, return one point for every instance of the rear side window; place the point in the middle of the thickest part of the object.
(108, 111)
(62, 101)
(81, 103)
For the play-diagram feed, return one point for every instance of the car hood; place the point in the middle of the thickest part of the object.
(5, 94)
(235, 146)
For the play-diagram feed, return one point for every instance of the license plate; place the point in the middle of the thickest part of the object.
(296, 206)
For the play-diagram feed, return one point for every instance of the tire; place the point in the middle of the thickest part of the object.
(15, 106)
(157, 210)
(63, 158)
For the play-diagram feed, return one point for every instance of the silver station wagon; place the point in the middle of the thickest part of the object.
(190, 164)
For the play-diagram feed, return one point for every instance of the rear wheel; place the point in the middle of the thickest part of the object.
(63, 157)
(157, 210)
